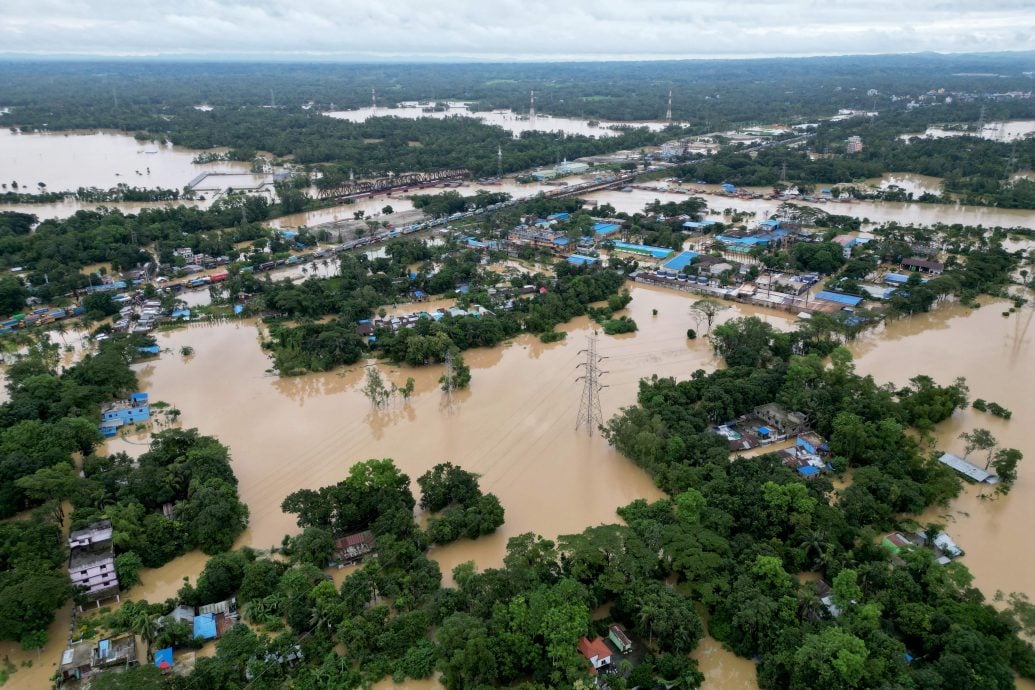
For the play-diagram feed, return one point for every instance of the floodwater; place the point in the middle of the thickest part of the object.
(872, 211)
(1009, 130)
(507, 119)
(996, 356)
(372, 206)
(66, 161)
(722, 669)
(910, 182)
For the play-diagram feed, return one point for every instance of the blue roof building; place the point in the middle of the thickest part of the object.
(847, 300)
(603, 229)
(728, 188)
(558, 216)
(580, 260)
(680, 261)
(699, 224)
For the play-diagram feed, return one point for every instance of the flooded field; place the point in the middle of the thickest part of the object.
(873, 211)
(65, 161)
(1009, 130)
(507, 119)
(910, 182)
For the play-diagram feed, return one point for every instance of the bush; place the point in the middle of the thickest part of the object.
(691, 334)
(622, 324)
(552, 336)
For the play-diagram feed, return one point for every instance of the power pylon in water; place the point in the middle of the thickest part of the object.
(449, 377)
(589, 405)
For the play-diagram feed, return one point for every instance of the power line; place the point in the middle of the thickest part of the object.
(589, 405)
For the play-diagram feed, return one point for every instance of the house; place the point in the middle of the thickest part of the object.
(916, 263)
(83, 660)
(91, 562)
(595, 651)
(895, 542)
(353, 547)
(135, 409)
(616, 633)
(968, 470)
(786, 422)
(846, 242)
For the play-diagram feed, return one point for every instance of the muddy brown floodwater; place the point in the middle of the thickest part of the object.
(875, 211)
(997, 357)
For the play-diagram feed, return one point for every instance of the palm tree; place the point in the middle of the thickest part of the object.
(146, 626)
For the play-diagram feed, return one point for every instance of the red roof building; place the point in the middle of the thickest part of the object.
(595, 651)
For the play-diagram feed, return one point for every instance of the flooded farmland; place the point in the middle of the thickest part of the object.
(65, 161)
(904, 213)
(512, 122)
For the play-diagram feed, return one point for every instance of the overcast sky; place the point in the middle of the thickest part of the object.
(512, 29)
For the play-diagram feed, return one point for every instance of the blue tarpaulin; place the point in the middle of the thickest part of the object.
(806, 445)
(205, 626)
(808, 470)
(238, 309)
(764, 431)
(164, 658)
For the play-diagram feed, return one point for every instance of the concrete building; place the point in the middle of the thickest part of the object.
(91, 563)
(854, 144)
(595, 651)
(116, 414)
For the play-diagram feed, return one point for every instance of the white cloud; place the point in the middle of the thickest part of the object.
(522, 29)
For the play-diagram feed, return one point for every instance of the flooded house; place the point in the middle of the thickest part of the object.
(786, 422)
(91, 563)
(969, 470)
(353, 547)
(130, 411)
(83, 660)
(921, 265)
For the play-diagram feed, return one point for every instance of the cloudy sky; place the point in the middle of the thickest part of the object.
(512, 29)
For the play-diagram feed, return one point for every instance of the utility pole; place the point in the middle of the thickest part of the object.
(589, 405)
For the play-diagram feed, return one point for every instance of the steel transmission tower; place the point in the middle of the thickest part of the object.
(531, 110)
(499, 161)
(668, 112)
(589, 405)
(449, 377)
(373, 98)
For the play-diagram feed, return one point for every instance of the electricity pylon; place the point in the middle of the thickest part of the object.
(589, 405)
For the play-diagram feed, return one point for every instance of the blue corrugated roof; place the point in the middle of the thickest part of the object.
(680, 261)
(849, 300)
(806, 445)
(580, 260)
(606, 228)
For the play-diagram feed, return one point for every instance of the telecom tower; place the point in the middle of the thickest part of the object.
(589, 405)
(668, 112)
(981, 122)
(373, 98)
(531, 110)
